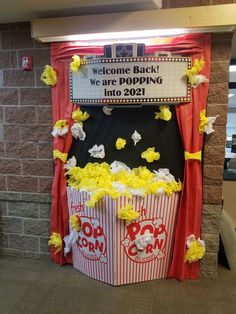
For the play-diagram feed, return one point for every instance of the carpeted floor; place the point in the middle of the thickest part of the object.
(30, 286)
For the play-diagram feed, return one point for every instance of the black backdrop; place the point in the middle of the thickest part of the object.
(103, 129)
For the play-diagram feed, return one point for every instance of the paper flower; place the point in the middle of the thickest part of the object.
(49, 76)
(117, 166)
(195, 79)
(206, 123)
(127, 213)
(56, 241)
(150, 155)
(70, 163)
(120, 143)
(75, 222)
(107, 110)
(75, 64)
(142, 241)
(136, 137)
(97, 151)
(60, 128)
(79, 116)
(164, 114)
(195, 249)
(78, 132)
(69, 241)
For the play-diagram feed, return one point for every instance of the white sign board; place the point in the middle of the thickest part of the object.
(131, 80)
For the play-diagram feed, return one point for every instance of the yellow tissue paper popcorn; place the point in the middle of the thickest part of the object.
(49, 76)
(56, 241)
(75, 64)
(203, 121)
(75, 222)
(195, 249)
(99, 180)
(60, 128)
(120, 143)
(127, 213)
(150, 155)
(195, 69)
(60, 124)
(206, 123)
(79, 116)
(164, 114)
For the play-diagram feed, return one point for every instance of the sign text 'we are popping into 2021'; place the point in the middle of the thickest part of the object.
(131, 80)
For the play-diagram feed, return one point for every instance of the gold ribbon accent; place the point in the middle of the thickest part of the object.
(196, 156)
(60, 155)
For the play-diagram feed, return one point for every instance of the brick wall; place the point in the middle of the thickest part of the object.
(26, 166)
(214, 151)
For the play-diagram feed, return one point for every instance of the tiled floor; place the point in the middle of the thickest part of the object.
(30, 286)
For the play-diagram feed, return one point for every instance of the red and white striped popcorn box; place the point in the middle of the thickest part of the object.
(112, 251)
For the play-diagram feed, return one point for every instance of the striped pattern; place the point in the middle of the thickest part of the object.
(120, 269)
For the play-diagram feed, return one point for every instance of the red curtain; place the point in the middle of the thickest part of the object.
(189, 216)
(62, 108)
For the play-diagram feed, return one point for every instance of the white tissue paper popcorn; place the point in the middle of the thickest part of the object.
(209, 127)
(97, 151)
(163, 174)
(136, 137)
(78, 132)
(107, 110)
(60, 131)
(70, 163)
(200, 80)
(118, 166)
(70, 240)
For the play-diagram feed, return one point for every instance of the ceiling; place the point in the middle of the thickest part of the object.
(27, 10)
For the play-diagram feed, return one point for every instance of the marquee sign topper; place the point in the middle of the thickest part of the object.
(131, 80)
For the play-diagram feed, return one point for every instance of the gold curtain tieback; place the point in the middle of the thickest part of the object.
(196, 156)
(60, 155)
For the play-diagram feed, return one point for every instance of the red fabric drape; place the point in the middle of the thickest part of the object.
(62, 108)
(190, 209)
(189, 217)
